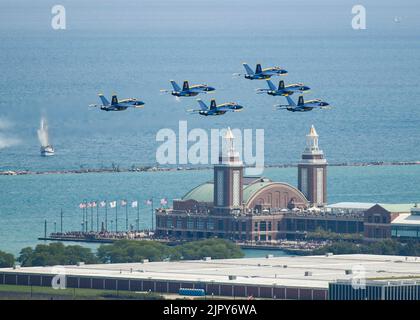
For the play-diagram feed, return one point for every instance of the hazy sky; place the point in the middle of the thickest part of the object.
(215, 15)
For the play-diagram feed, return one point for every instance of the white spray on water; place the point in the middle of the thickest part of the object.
(43, 133)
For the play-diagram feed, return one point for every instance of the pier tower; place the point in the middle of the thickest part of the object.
(228, 177)
(312, 171)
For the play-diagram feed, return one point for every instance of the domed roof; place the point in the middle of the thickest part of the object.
(267, 191)
(253, 188)
(204, 192)
(201, 193)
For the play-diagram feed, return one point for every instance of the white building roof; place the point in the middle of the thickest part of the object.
(406, 219)
(275, 271)
(351, 205)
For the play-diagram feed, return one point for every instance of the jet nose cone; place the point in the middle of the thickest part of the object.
(210, 89)
(324, 104)
(305, 88)
(238, 107)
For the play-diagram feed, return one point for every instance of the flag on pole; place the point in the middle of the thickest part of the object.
(82, 205)
(102, 204)
(89, 205)
(94, 204)
(163, 201)
(149, 202)
(113, 204)
(123, 203)
(134, 204)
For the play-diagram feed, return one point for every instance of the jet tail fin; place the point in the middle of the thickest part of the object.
(213, 104)
(281, 85)
(175, 85)
(271, 85)
(114, 100)
(258, 69)
(301, 102)
(104, 100)
(248, 69)
(202, 105)
(185, 86)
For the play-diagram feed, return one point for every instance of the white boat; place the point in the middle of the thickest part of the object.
(46, 148)
(47, 151)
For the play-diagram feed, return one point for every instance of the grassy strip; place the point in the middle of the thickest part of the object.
(12, 291)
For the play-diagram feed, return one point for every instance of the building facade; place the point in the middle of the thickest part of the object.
(231, 206)
(407, 225)
(374, 290)
(378, 220)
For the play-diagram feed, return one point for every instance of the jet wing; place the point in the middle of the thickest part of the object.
(313, 103)
(196, 88)
(129, 105)
(294, 87)
(274, 70)
(226, 107)
(124, 105)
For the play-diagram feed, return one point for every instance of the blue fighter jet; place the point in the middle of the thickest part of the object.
(116, 105)
(283, 90)
(216, 110)
(187, 90)
(302, 106)
(260, 73)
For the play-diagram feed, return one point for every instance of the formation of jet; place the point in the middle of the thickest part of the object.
(283, 90)
(116, 105)
(187, 90)
(214, 109)
(260, 73)
(302, 105)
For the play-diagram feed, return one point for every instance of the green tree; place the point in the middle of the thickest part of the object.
(215, 248)
(321, 234)
(25, 256)
(55, 254)
(133, 251)
(339, 248)
(383, 247)
(7, 260)
(412, 248)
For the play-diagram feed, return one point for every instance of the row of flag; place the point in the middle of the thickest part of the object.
(123, 203)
